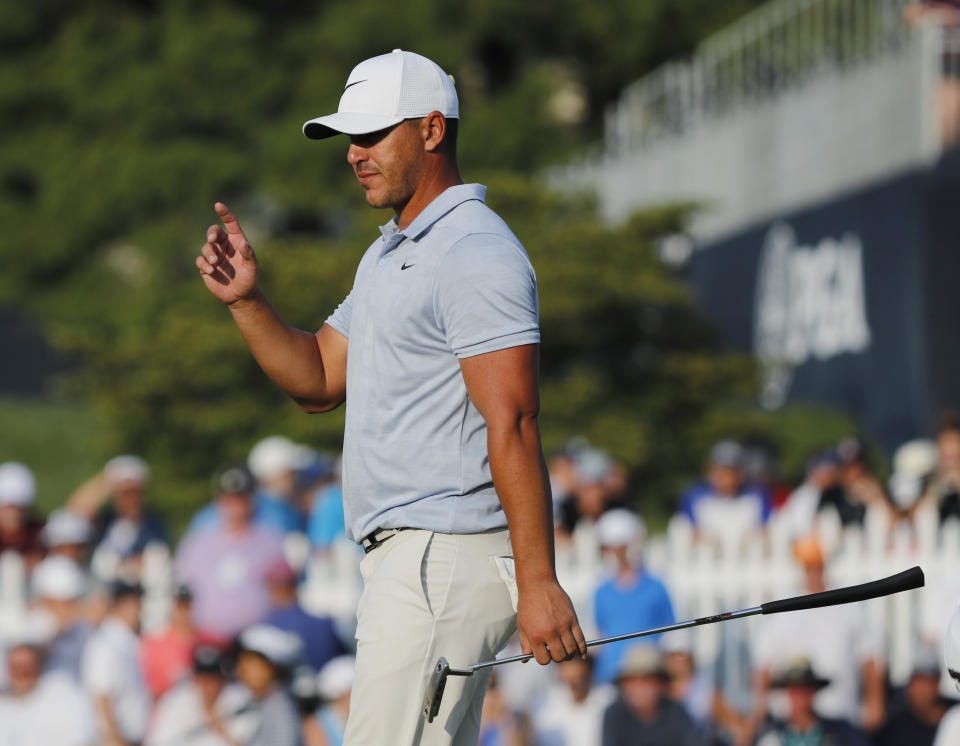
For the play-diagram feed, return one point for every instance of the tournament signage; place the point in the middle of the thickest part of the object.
(851, 303)
(809, 304)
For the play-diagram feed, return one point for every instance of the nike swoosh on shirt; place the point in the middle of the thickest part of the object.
(405, 266)
(354, 83)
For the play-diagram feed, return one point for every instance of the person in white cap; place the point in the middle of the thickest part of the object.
(268, 657)
(59, 587)
(334, 683)
(630, 600)
(441, 446)
(125, 525)
(19, 528)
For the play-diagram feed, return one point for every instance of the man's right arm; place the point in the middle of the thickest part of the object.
(311, 368)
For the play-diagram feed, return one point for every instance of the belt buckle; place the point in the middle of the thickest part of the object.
(375, 538)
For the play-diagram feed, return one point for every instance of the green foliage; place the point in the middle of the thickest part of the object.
(123, 123)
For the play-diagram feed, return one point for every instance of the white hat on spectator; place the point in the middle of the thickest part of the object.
(951, 648)
(127, 468)
(275, 455)
(620, 528)
(915, 457)
(59, 578)
(66, 527)
(592, 465)
(336, 677)
(283, 649)
(727, 453)
(17, 484)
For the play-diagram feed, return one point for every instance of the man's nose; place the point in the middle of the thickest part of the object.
(356, 154)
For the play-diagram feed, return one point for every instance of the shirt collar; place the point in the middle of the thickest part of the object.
(442, 204)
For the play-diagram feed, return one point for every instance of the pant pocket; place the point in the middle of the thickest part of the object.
(507, 572)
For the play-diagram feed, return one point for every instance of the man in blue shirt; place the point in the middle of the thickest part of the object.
(632, 599)
(441, 445)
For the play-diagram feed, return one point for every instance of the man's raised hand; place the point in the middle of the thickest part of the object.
(227, 262)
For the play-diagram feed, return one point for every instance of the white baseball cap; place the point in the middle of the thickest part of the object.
(283, 649)
(66, 527)
(58, 578)
(620, 528)
(17, 485)
(336, 677)
(127, 468)
(383, 91)
(275, 455)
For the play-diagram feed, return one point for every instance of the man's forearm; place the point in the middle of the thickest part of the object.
(289, 356)
(520, 477)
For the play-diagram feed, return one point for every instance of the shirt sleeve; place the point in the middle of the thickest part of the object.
(486, 296)
(340, 318)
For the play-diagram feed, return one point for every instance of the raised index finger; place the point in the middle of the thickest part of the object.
(230, 221)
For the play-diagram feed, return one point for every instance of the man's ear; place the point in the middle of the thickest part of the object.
(433, 130)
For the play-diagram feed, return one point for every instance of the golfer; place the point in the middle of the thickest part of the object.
(435, 353)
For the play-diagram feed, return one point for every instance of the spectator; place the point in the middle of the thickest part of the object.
(850, 655)
(571, 713)
(632, 599)
(203, 709)
(123, 526)
(859, 488)
(498, 726)
(274, 463)
(111, 670)
(599, 484)
(334, 683)
(19, 527)
(943, 489)
(723, 508)
(688, 686)
(915, 716)
(267, 658)
(225, 566)
(318, 634)
(643, 715)
(41, 709)
(803, 725)
(800, 510)
(67, 534)
(168, 654)
(59, 586)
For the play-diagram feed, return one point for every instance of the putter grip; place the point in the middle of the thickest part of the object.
(903, 581)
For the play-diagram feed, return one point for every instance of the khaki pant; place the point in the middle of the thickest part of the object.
(428, 595)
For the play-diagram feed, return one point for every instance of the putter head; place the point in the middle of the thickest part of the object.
(434, 693)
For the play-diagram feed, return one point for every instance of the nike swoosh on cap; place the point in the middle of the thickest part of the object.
(355, 82)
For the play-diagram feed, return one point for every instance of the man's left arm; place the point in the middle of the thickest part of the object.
(503, 386)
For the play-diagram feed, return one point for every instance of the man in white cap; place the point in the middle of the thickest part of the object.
(19, 528)
(631, 599)
(59, 587)
(441, 445)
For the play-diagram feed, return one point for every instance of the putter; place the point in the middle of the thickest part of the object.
(904, 581)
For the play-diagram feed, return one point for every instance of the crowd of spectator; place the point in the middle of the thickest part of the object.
(239, 660)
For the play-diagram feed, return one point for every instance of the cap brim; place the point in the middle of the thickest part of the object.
(347, 123)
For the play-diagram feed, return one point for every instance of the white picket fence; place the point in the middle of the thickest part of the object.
(702, 579)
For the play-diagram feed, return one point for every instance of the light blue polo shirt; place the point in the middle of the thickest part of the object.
(455, 283)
